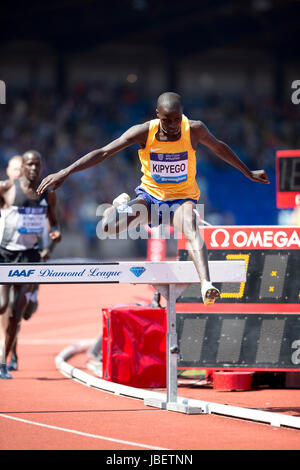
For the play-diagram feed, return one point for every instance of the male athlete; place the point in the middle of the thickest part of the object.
(23, 218)
(14, 171)
(168, 158)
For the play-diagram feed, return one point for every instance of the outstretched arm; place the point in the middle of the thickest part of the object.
(205, 137)
(136, 134)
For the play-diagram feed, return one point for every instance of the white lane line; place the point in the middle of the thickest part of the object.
(85, 328)
(54, 341)
(79, 433)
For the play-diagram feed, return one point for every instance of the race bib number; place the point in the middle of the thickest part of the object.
(169, 167)
(31, 219)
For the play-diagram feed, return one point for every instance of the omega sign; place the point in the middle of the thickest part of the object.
(252, 237)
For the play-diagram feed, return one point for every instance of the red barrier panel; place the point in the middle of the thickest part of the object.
(134, 346)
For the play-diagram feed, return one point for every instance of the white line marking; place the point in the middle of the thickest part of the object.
(82, 328)
(72, 431)
(53, 341)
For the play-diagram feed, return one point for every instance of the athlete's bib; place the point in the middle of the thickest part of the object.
(169, 167)
(31, 219)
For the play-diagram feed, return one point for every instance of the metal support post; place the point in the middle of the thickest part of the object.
(172, 346)
(171, 292)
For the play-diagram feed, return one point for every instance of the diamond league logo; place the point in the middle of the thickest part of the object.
(138, 271)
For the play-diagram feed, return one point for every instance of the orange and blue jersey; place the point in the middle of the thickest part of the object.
(169, 168)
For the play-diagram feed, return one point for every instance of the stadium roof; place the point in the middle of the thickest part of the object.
(182, 27)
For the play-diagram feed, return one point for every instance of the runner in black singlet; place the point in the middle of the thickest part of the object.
(23, 219)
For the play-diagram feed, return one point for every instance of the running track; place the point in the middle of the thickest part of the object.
(43, 410)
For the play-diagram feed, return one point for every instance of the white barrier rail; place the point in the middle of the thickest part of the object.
(169, 278)
(148, 272)
(148, 396)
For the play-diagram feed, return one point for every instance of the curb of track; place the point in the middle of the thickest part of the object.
(267, 417)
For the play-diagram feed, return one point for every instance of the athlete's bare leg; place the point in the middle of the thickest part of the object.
(4, 298)
(28, 310)
(114, 222)
(3, 321)
(16, 310)
(185, 221)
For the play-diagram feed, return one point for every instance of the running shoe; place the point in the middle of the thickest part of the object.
(121, 200)
(121, 203)
(209, 293)
(13, 364)
(4, 374)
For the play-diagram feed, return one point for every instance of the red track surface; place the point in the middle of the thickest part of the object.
(51, 412)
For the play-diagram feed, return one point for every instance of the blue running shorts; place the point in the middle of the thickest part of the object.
(156, 205)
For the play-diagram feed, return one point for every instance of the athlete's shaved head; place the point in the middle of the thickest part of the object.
(32, 165)
(169, 111)
(31, 153)
(170, 101)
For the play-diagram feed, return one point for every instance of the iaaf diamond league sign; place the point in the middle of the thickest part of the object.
(56, 273)
(167, 272)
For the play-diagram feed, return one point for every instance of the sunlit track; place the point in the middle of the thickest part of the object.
(261, 416)
(84, 434)
(49, 398)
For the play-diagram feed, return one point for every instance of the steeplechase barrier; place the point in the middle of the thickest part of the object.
(169, 278)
